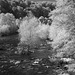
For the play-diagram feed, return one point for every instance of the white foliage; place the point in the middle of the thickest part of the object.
(62, 29)
(27, 29)
(32, 31)
(7, 23)
(42, 31)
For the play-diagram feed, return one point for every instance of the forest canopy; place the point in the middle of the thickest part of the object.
(20, 8)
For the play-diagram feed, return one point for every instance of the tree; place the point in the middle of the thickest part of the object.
(32, 32)
(62, 29)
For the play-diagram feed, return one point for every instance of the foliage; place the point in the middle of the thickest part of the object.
(32, 31)
(5, 6)
(7, 24)
(62, 29)
(42, 9)
(45, 20)
(20, 8)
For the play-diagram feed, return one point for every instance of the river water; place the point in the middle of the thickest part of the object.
(24, 63)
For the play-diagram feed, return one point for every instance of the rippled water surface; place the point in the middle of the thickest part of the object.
(13, 63)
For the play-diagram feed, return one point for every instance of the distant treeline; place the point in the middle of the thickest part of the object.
(21, 8)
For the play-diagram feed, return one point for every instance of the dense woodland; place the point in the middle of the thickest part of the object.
(20, 8)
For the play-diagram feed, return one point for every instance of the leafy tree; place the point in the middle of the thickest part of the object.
(32, 32)
(62, 29)
(5, 6)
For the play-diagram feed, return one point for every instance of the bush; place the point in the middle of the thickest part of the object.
(7, 24)
(32, 32)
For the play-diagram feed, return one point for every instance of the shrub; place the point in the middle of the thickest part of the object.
(32, 32)
(7, 24)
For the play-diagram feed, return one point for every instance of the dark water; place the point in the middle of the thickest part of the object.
(32, 63)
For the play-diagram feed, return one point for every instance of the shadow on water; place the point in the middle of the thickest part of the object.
(12, 63)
